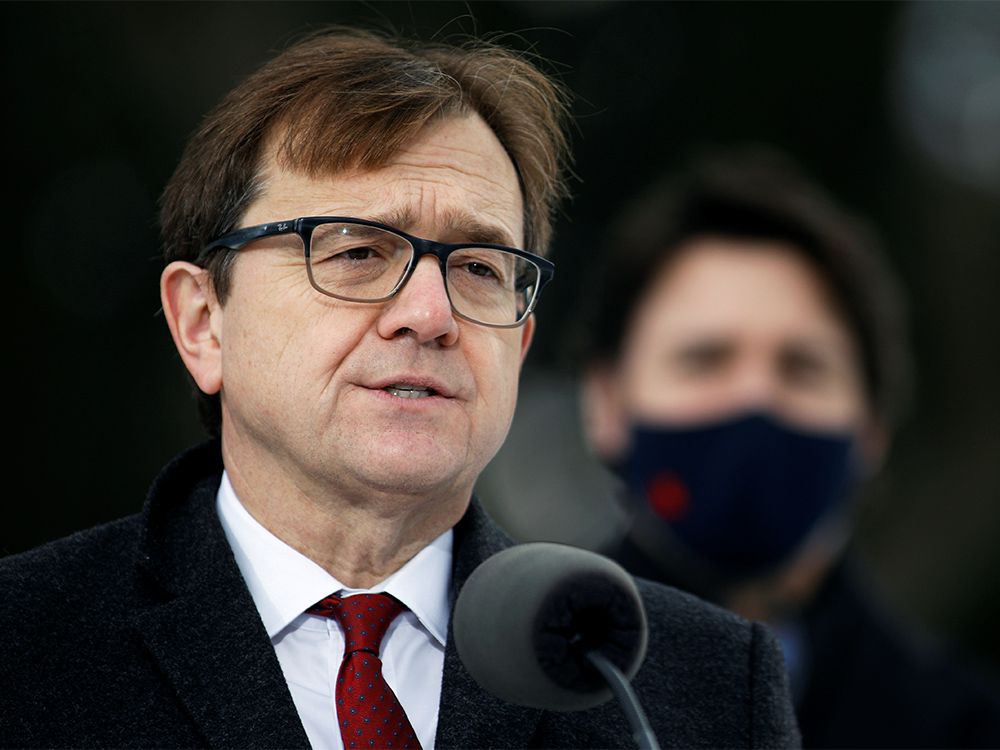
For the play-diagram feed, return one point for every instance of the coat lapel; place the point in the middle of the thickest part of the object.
(224, 670)
(199, 621)
(469, 716)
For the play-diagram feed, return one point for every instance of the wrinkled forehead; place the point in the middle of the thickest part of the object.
(453, 175)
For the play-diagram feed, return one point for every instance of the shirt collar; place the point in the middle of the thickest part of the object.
(284, 583)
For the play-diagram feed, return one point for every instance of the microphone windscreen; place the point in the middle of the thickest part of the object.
(527, 616)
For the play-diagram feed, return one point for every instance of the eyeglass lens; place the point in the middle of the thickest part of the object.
(363, 263)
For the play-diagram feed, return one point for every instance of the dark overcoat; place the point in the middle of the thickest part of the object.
(142, 633)
(874, 682)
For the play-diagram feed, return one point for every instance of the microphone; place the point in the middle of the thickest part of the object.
(554, 627)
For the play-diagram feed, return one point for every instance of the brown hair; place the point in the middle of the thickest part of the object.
(347, 98)
(754, 193)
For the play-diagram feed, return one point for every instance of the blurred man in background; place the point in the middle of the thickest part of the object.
(746, 366)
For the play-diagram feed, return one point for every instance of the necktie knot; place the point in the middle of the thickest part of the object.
(364, 618)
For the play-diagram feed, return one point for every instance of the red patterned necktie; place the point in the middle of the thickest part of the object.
(368, 712)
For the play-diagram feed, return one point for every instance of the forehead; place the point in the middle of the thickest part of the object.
(733, 286)
(452, 179)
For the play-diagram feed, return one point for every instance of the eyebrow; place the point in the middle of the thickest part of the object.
(714, 346)
(828, 353)
(456, 223)
(820, 350)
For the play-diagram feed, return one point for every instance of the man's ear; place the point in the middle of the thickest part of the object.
(603, 415)
(873, 442)
(194, 317)
(527, 334)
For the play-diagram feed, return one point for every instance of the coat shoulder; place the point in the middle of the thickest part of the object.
(67, 572)
(713, 672)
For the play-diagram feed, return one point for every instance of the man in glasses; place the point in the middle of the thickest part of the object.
(348, 287)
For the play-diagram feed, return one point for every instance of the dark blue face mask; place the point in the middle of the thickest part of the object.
(740, 495)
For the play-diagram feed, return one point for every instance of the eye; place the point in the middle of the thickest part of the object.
(351, 244)
(807, 369)
(358, 253)
(701, 358)
(480, 269)
(481, 265)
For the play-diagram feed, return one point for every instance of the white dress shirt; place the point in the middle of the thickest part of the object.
(284, 583)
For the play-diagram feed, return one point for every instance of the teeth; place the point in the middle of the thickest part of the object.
(409, 391)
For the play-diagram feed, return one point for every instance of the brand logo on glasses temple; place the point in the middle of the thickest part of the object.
(282, 226)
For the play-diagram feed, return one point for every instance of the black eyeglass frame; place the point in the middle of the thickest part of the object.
(305, 225)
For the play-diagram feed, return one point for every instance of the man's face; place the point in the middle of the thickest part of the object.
(306, 378)
(731, 326)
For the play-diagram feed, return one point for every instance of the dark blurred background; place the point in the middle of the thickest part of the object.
(895, 107)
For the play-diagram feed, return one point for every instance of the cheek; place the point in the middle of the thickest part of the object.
(282, 356)
(255, 383)
(835, 408)
(496, 364)
(658, 402)
(649, 390)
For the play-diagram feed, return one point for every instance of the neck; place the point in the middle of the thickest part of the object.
(360, 537)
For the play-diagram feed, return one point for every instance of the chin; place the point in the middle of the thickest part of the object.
(418, 470)
(433, 486)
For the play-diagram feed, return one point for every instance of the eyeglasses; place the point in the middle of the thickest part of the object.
(363, 261)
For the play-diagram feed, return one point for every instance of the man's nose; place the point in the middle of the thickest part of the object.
(755, 386)
(421, 307)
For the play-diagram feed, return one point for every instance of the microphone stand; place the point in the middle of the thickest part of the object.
(642, 733)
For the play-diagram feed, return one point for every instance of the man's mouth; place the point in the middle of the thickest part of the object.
(410, 391)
